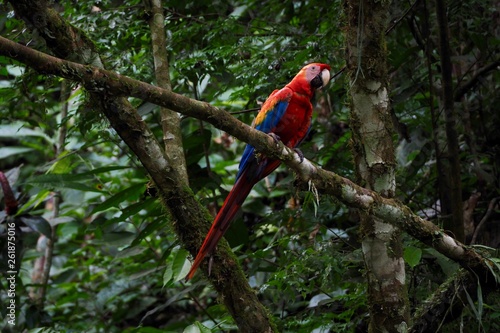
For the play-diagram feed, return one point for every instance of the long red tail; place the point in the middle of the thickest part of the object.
(223, 220)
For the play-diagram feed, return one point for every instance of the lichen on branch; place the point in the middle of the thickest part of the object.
(326, 182)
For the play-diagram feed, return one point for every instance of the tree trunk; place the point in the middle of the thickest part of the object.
(192, 220)
(452, 207)
(170, 120)
(375, 161)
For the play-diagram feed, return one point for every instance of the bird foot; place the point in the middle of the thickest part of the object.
(275, 137)
(300, 153)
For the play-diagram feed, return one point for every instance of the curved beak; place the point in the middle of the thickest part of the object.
(325, 77)
(321, 79)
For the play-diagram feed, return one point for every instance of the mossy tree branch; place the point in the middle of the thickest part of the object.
(445, 304)
(326, 182)
(191, 219)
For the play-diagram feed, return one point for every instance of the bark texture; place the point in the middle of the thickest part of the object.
(170, 120)
(374, 158)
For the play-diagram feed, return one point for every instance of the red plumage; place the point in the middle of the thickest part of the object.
(286, 113)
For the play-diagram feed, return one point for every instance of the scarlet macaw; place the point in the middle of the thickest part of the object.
(286, 114)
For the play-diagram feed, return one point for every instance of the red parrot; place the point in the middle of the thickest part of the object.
(286, 114)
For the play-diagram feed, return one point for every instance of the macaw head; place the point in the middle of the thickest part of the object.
(311, 78)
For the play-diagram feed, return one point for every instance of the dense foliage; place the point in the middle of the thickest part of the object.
(117, 265)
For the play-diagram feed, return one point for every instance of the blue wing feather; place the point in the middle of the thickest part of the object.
(270, 122)
(248, 154)
(272, 117)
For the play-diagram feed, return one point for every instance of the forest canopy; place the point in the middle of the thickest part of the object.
(122, 124)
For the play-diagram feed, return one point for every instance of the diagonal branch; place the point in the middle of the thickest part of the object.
(326, 182)
(464, 88)
(191, 219)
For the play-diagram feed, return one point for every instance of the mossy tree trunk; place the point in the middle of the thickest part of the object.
(170, 120)
(375, 162)
(191, 219)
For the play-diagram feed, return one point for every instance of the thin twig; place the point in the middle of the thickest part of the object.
(462, 89)
(396, 22)
(485, 218)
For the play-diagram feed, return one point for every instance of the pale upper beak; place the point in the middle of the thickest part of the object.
(325, 77)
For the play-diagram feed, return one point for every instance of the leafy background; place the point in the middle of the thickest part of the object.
(117, 266)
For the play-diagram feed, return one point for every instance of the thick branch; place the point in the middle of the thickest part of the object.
(191, 219)
(326, 182)
(100, 80)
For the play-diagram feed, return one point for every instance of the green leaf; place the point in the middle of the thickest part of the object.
(412, 255)
(61, 220)
(17, 130)
(34, 201)
(495, 262)
(129, 252)
(105, 169)
(144, 273)
(52, 181)
(10, 151)
(149, 229)
(448, 266)
(67, 231)
(197, 327)
(63, 164)
(177, 266)
(57, 179)
(133, 209)
(120, 197)
(37, 223)
(116, 238)
(477, 312)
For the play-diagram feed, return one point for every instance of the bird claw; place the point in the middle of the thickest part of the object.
(300, 153)
(277, 140)
(275, 137)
